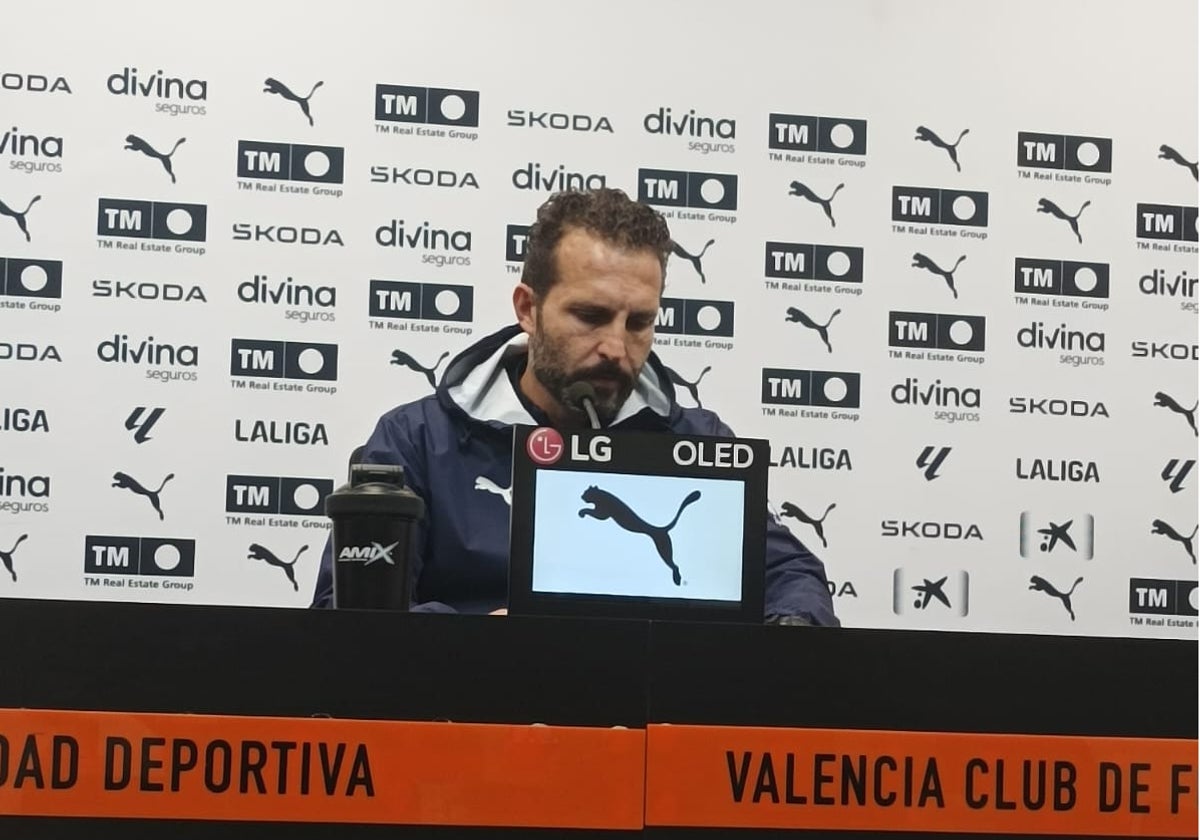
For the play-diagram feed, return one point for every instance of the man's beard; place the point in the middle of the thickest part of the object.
(548, 361)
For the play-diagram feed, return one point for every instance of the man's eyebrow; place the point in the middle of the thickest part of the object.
(587, 309)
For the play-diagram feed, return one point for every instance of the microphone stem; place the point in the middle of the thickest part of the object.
(591, 412)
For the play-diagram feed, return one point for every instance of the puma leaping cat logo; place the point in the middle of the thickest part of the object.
(1162, 400)
(922, 261)
(127, 482)
(1162, 528)
(928, 136)
(607, 506)
(278, 87)
(678, 251)
(826, 203)
(486, 484)
(258, 552)
(789, 509)
(795, 316)
(1165, 152)
(5, 210)
(137, 144)
(1045, 205)
(1042, 585)
(399, 357)
(693, 388)
(6, 557)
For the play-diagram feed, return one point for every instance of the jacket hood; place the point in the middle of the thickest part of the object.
(476, 385)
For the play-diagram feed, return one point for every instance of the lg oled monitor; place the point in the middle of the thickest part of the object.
(637, 525)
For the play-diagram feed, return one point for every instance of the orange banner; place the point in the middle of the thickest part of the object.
(100, 764)
(914, 781)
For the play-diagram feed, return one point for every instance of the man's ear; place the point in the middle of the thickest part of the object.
(524, 306)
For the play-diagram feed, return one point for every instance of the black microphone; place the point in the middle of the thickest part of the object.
(581, 395)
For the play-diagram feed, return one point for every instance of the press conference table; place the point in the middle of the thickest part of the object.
(245, 722)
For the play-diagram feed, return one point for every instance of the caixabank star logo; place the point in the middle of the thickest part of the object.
(938, 594)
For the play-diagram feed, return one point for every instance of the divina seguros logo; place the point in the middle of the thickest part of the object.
(22, 493)
(299, 301)
(950, 403)
(442, 247)
(705, 134)
(550, 178)
(162, 361)
(172, 91)
(31, 152)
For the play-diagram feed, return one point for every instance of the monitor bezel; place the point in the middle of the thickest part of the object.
(522, 598)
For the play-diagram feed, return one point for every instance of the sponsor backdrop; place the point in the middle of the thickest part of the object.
(943, 259)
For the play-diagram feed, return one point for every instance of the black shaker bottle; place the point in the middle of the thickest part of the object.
(374, 530)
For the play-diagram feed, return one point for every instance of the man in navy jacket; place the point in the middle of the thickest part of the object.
(586, 306)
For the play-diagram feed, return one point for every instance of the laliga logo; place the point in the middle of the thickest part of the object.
(544, 445)
(368, 554)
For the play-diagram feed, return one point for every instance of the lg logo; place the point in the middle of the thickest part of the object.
(544, 446)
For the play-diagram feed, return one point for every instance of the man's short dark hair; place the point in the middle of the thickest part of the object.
(607, 213)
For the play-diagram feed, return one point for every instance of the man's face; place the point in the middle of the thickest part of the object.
(596, 324)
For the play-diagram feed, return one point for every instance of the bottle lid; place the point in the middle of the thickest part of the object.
(375, 489)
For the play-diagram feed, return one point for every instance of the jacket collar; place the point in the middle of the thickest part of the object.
(476, 385)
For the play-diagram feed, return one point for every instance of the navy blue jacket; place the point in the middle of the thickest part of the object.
(456, 449)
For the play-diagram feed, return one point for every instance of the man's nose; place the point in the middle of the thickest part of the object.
(613, 343)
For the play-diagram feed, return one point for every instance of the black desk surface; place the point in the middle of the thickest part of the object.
(252, 661)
